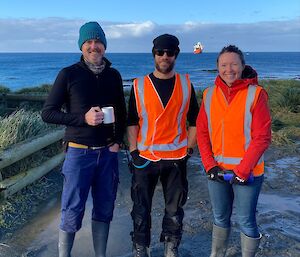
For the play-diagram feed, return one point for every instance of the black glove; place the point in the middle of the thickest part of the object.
(213, 174)
(138, 161)
(237, 180)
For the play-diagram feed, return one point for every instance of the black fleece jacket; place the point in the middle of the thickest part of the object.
(77, 89)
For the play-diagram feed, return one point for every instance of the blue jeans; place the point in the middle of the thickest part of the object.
(84, 169)
(222, 196)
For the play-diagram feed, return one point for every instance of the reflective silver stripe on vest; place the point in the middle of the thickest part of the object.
(248, 118)
(164, 147)
(248, 115)
(207, 105)
(247, 124)
(233, 160)
(141, 89)
(228, 160)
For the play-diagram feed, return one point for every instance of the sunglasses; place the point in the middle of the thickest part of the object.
(161, 52)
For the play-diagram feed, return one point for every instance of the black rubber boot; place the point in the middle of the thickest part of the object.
(219, 241)
(65, 243)
(100, 234)
(140, 250)
(249, 245)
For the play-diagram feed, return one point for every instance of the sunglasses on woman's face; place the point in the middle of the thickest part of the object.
(161, 52)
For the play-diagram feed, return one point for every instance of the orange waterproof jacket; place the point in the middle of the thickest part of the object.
(162, 130)
(229, 125)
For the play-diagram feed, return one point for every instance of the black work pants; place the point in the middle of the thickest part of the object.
(172, 175)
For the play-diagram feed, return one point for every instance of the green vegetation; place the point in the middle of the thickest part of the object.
(43, 89)
(284, 94)
(22, 99)
(20, 126)
(4, 90)
(284, 99)
(199, 96)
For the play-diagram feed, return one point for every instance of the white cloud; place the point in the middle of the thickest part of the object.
(61, 35)
(129, 29)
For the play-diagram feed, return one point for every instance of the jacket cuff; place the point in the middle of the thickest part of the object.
(241, 175)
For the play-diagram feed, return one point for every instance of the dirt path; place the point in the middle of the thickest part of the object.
(278, 216)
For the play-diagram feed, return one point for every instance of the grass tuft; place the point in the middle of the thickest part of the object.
(19, 126)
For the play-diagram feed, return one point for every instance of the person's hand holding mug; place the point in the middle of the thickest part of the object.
(94, 116)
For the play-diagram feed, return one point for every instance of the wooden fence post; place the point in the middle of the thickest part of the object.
(19, 181)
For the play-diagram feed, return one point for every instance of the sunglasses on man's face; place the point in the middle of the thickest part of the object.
(161, 52)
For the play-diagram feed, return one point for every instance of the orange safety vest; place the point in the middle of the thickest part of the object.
(162, 130)
(229, 125)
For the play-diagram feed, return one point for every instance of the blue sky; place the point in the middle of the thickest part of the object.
(130, 26)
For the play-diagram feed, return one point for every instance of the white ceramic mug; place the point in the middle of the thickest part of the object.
(109, 115)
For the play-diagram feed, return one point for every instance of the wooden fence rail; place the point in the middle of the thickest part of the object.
(18, 152)
(10, 102)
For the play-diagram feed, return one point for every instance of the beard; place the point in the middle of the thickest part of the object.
(163, 68)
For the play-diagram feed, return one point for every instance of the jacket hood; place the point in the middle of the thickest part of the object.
(249, 73)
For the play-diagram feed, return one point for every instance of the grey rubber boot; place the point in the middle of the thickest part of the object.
(140, 250)
(65, 243)
(171, 249)
(249, 245)
(100, 234)
(219, 241)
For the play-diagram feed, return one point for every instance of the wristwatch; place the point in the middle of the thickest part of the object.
(190, 151)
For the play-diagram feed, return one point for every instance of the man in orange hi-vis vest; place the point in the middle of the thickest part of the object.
(233, 131)
(160, 106)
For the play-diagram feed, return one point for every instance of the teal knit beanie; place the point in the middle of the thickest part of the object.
(91, 30)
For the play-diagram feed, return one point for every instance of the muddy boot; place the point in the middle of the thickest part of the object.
(140, 250)
(100, 234)
(171, 248)
(249, 245)
(65, 243)
(219, 241)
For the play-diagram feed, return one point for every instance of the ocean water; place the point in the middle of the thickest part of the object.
(19, 70)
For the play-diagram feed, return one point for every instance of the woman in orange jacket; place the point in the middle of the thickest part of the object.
(233, 131)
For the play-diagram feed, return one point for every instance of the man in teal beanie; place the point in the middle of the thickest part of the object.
(91, 162)
(91, 30)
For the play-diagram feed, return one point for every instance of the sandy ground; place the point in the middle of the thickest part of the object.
(278, 216)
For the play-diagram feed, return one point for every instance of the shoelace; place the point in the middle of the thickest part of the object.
(141, 251)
